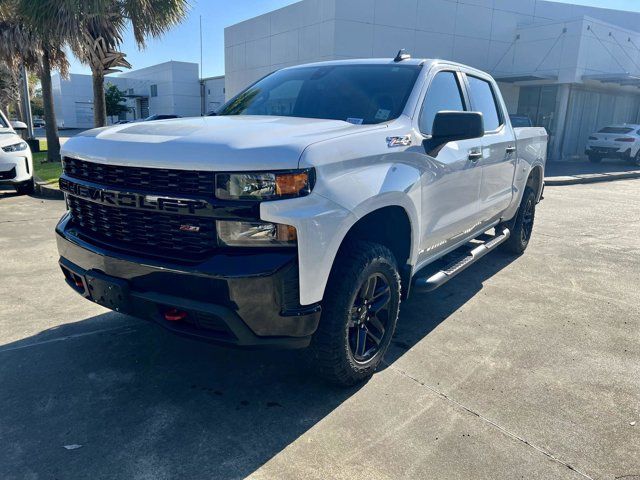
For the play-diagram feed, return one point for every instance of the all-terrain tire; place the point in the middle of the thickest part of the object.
(24, 188)
(331, 350)
(521, 226)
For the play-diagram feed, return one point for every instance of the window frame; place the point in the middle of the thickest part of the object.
(461, 88)
(496, 102)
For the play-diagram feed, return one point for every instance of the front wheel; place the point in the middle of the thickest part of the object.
(521, 226)
(636, 160)
(24, 188)
(593, 158)
(359, 315)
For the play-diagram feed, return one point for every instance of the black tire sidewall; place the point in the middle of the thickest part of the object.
(25, 188)
(330, 345)
(390, 272)
(528, 196)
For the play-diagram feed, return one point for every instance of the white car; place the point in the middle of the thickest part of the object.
(305, 210)
(615, 141)
(16, 162)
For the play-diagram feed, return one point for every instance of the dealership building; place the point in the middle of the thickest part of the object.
(571, 69)
(172, 88)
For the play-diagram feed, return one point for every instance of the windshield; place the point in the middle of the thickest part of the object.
(616, 130)
(359, 94)
(3, 121)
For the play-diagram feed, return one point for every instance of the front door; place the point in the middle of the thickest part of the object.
(451, 182)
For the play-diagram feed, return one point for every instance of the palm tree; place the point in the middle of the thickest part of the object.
(9, 88)
(39, 50)
(95, 31)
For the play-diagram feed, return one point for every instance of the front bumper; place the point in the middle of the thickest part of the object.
(609, 152)
(244, 299)
(15, 167)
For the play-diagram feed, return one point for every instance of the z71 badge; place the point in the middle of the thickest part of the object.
(404, 141)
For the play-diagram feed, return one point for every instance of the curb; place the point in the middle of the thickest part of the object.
(594, 178)
(47, 191)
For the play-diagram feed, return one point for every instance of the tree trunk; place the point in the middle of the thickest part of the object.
(19, 109)
(99, 102)
(53, 142)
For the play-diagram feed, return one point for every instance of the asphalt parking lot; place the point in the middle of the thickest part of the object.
(522, 368)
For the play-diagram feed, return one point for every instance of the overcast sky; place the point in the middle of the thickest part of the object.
(183, 42)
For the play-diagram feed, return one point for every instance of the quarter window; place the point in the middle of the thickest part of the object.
(484, 100)
(444, 95)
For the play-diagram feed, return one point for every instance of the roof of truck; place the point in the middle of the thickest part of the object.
(369, 61)
(388, 61)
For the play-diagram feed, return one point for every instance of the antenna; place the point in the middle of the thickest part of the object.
(402, 55)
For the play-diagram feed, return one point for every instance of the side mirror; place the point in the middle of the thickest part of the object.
(451, 127)
(18, 125)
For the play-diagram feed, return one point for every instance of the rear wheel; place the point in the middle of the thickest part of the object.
(521, 226)
(24, 188)
(593, 158)
(636, 160)
(359, 316)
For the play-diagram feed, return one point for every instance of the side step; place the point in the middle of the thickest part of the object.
(428, 284)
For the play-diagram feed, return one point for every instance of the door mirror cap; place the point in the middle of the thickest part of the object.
(16, 125)
(452, 127)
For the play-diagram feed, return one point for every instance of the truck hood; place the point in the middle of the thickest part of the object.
(208, 143)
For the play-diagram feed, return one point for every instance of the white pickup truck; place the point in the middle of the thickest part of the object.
(305, 209)
(16, 162)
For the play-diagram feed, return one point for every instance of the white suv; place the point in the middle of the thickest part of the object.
(16, 162)
(615, 141)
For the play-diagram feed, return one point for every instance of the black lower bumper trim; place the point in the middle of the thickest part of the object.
(203, 321)
(221, 305)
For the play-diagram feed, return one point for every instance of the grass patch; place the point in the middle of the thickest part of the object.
(47, 172)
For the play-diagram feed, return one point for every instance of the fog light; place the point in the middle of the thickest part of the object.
(255, 234)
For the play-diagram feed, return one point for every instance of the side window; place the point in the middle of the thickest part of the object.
(444, 94)
(483, 100)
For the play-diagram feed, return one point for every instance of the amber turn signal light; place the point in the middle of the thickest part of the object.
(292, 183)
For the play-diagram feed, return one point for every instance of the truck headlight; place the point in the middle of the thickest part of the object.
(264, 185)
(255, 234)
(16, 147)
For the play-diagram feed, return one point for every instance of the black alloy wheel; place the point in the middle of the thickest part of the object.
(528, 218)
(369, 318)
(359, 313)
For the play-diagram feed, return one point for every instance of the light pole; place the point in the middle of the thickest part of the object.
(26, 102)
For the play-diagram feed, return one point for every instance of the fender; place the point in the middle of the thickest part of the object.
(344, 194)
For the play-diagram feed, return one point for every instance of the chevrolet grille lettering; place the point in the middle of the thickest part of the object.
(136, 201)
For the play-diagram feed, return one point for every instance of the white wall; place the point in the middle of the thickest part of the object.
(481, 33)
(178, 92)
(214, 93)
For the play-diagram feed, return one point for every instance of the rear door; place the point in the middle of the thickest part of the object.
(451, 183)
(499, 158)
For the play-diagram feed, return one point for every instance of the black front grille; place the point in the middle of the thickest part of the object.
(147, 233)
(8, 175)
(152, 180)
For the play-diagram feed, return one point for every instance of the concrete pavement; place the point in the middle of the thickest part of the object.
(576, 172)
(519, 368)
